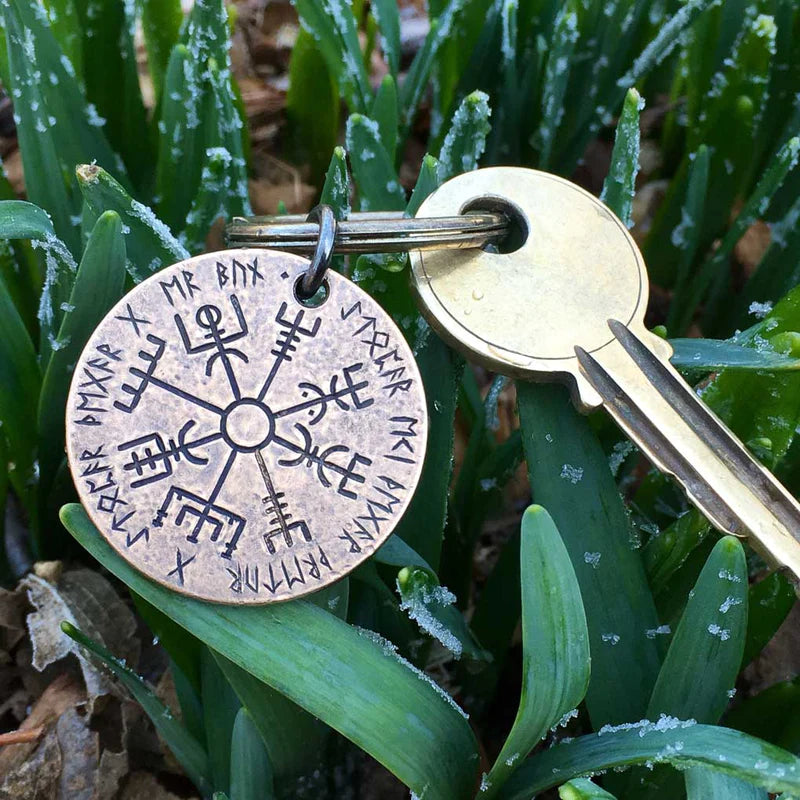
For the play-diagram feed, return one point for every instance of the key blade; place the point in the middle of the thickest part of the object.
(682, 437)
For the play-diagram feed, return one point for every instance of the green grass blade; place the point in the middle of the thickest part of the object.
(387, 15)
(65, 116)
(220, 707)
(161, 24)
(466, 137)
(555, 643)
(307, 654)
(384, 112)
(620, 183)
(583, 789)
(210, 202)
(251, 772)
(703, 784)
(757, 203)
(187, 751)
(66, 25)
(111, 79)
(774, 275)
(556, 76)
(769, 603)
(99, 283)
(772, 715)
(183, 138)
(665, 553)
(421, 67)
(293, 738)
(312, 106)
(685, 236)
(422, 526)
(569, 475)
(427, 181)
(664, 42)
(433, 608)
(44, 179)
(762, 408)
(714, 355)
(682, 743)
(706, 651)
(149, 242)
(334, 29)
(373, 169)
(20, 382)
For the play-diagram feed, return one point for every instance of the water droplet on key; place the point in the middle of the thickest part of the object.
(477, 294)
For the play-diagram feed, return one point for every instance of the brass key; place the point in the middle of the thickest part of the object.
(568, 304)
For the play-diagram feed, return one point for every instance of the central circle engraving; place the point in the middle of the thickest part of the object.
(247, 425)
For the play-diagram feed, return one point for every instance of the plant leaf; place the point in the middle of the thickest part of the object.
(706, 651)
(703, 784)
(433, 608)
(669, 741)
(555, 643)
(466, 137)
(149, 244)
(583, 789)
(161, 24)
(251, 772)
(713, 355)
(570, 476)
(384, 112)
(334, 30)
(99, 283)
(770, 601)
(308, 655)
(620, 183)
(220, 707)
(387, 15)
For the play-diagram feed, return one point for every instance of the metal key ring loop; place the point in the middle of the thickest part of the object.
(370, 232)
(323, 252)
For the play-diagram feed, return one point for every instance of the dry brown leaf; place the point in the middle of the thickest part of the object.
(63, 693)
(88, 601)
(35, 778)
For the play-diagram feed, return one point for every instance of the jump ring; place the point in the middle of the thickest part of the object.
(323, 252)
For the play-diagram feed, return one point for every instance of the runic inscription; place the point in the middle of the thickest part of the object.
(240, 446)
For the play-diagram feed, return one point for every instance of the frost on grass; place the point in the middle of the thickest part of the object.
(571, 473)
(562, 723)
(421, 604)
(610, 638)
(391, 650)
(664, 724)
(592, 558)
(729, 602)
(618, 455)
(60, 269)
(466, 140)
(727, 575)
(715, 630)
(661, 630)
(760, 310)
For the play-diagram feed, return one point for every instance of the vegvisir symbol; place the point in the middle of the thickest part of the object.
(241, 445)
(247, 426)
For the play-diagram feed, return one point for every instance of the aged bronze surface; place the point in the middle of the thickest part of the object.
(236, 444)
(569, 305)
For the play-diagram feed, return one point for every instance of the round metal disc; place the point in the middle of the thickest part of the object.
(236, 444)
(525, 311)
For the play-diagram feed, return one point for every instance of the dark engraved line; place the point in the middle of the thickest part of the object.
(208, 318)
(310, 454)
(168, 387)
(335, 394)
(165, 454)
(270, 486)
(180, 565)
(285, 342)
(133, 319)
